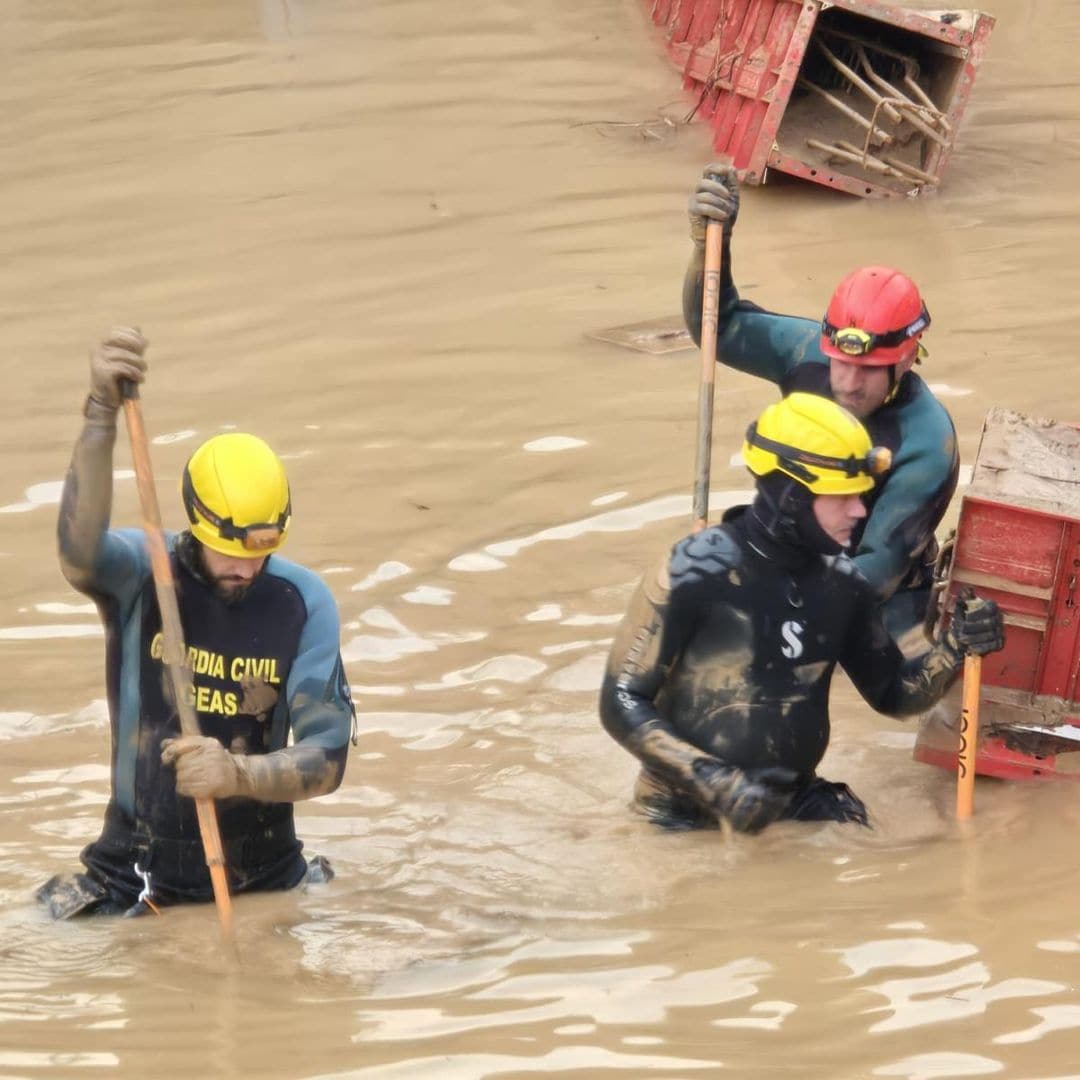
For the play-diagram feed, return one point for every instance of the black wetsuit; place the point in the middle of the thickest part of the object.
(726, 656)
(267, 674)
(894, 547)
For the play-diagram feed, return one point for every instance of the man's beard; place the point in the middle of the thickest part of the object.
(231, 590)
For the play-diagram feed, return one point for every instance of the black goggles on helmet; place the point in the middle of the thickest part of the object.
(874, 462)
(852, 341)
(257, 537)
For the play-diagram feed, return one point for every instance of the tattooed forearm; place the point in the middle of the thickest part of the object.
(86, 501)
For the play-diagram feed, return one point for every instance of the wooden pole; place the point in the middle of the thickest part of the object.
(710, 310)
(172, 636)
(969, 737)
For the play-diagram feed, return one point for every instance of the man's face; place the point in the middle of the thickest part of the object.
(860, 388)
(231, 577)
(838, 515)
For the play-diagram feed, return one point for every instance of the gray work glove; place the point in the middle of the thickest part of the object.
(977, 626)
(716, 198)
(119, 356)
(749, 799)
(204, 768)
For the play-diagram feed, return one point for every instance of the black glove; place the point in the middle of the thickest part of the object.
(716, 198)
(748, 799)
(977, 626)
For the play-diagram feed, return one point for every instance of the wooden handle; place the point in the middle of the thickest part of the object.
(172, 637)
(710, 309)
(969, 738)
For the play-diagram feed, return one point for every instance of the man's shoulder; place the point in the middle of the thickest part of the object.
(711, 553)
(922, 404)
(925, 427)
(306, 581)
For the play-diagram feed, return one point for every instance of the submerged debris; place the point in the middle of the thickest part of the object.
(856, 94)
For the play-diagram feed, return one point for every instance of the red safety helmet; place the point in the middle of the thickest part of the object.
(876, 317)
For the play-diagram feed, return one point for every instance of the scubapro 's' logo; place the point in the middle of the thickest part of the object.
(792, 632)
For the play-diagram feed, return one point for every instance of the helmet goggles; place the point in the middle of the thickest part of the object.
(853, 341)
(874, 462)
(255, 538)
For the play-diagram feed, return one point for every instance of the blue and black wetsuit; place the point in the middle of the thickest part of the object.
(267, 673)
(894, 547)
(725, 659)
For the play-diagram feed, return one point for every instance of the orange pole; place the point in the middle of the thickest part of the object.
(710, 309)
(969, 737)
(172, 635)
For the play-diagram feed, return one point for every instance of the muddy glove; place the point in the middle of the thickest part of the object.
(118, 357)
(716, 198)
(748, 799)
(204, 768)
(977, 626)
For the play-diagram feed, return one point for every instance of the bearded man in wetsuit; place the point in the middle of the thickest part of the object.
(861, 355)
(718, 679)
(262, 640)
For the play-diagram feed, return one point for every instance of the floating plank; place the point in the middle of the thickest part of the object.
(655, 336)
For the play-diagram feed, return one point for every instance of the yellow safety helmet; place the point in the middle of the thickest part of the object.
(817, 442)
(236, 496)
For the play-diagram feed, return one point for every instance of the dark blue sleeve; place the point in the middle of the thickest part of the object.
(751, 339)
(320, 704)
(122, 564)
(767, 345)
(915, 495)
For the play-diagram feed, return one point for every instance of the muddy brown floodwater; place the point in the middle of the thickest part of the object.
(377, 234)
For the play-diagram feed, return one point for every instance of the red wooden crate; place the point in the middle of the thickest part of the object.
(758, 74)
(1018, 542)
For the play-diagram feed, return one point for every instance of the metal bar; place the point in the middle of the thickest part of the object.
(875, 132)
(910, 170)
(852, 153)
(858, 81)
(925, 98)
(926, 106)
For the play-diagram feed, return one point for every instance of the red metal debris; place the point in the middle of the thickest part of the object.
(1018, 542)
(852, 94)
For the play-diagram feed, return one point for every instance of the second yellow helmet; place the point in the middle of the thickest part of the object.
(816, 442)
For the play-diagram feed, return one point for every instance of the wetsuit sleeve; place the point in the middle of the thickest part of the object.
(911, 504)
(650, 639)
(320, 709)
(749, 338)
(890, 682)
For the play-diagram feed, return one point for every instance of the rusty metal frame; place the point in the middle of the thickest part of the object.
(745, 97)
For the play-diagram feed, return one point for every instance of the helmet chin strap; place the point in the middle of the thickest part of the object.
(894, 378)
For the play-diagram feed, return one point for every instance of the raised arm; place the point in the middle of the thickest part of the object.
(86, 501)
(749, 338)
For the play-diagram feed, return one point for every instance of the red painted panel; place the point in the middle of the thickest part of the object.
(1059, 671)
(1021, 545)
(1022, 551)
(742, 59)
(1017, 665)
